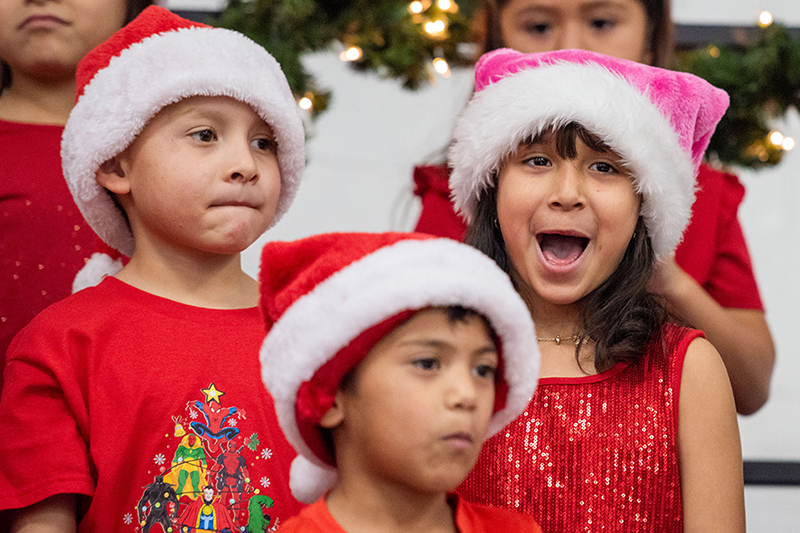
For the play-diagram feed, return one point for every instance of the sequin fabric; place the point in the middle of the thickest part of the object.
(597, 453)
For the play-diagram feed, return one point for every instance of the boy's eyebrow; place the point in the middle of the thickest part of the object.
(439, 344)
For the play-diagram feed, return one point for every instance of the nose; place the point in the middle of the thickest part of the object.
(243, 166)
(462, 390)
(572, 36)
(567, 190)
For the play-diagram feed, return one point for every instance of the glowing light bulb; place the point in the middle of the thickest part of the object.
(776, 138)
(441, 66)
(765, 19)
(787, 144)
(416, 7)
(444, 5)
(351, 54)
(305, 103)
(435, 27)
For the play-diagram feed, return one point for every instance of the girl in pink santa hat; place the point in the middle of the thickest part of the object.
(576, 173)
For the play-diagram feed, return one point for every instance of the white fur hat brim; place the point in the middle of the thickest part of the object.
(158, 71)
(520, 106)
(407, 275)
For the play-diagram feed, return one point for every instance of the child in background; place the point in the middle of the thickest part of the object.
(44, 240)
(576, 171)
(142, 395)
(391, 357)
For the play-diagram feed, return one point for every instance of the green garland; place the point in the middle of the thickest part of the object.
(392, 40)
(762, 78)
(763, 81)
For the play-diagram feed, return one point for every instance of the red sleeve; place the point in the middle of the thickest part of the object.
(438, 216)
(713, 250)
(43, 420)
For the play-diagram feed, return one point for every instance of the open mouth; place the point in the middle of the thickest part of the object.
(561, 249)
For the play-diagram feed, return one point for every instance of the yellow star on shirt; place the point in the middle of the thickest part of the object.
(212, 393)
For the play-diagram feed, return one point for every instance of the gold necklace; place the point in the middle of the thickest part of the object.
(576, 339)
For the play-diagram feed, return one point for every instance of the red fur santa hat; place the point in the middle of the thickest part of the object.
(659, 121)
(156, 60)
(328, 299)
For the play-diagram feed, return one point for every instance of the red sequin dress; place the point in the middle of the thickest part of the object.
(595, 453)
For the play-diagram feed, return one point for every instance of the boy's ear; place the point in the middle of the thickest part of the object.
(335, 414)
(111, 176)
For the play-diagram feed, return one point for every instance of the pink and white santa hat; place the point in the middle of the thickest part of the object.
(156, 60)
(659, 121)
(328, 299)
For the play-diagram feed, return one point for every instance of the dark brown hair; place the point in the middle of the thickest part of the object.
(132, 11)
(620, 315)
(659, 28)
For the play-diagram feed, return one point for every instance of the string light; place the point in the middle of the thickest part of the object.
(416, 8)
(353, 53)
(787, 144)
(435, 27)
(441, 66)
(765, 19)
(776, 138)
(713, 51)
(444, 5)
(306, 103)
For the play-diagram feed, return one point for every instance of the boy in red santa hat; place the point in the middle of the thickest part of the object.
(391, 358)
(183, 148)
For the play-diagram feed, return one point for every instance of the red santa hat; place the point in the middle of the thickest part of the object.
(328, 299)
(659, 121)
(156, 60)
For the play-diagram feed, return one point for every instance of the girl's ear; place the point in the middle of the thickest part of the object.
(111, 176)
(335, 415)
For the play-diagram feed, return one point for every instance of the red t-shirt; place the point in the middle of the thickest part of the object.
(140, 402)
(469, 518)
(713, 250)
(44, 240)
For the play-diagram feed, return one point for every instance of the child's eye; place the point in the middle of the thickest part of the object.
(538, 161)
(602, 166)
(426, 363)
(263, 143)
(486, 371)
(602, 24)
(537, 28)
(207, 135)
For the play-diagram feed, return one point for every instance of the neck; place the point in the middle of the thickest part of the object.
(203, 280)
(365, 506)
(563, 321)
(36, 101)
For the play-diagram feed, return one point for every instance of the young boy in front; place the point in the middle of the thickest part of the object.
(130, 401)
(391, 358)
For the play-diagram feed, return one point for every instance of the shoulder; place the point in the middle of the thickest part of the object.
(703, 370)
(313, 519)
(476, 517)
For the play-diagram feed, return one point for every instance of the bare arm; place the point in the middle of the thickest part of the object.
(741, 336)
(709, 450)
(56, 514)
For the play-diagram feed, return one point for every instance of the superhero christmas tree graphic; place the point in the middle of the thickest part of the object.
(206, 484)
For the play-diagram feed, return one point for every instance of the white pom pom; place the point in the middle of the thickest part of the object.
(309, 482)
(96, 268)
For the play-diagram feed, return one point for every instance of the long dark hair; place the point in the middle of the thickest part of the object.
(132, 11)
(621, 315)
(659, 28)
